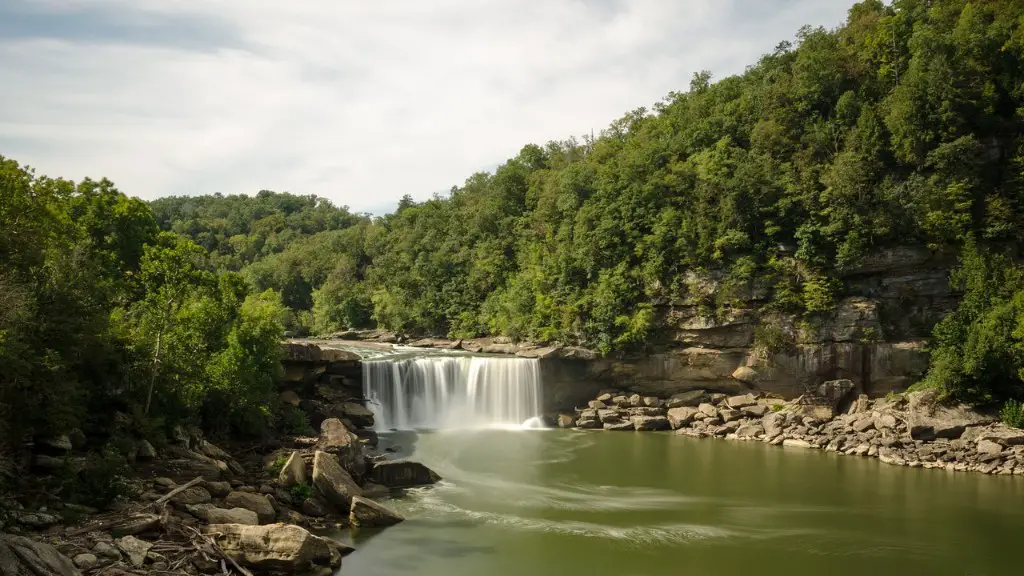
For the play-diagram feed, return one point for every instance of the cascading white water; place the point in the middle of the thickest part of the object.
(438, 392)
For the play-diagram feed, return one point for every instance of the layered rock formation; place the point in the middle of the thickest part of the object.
(875, 337)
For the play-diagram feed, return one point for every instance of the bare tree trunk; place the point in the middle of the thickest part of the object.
(156, 363)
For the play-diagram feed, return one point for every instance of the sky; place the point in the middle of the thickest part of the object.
(358, 101)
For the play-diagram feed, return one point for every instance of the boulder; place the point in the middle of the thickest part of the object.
(293, 472)
(835, 391)
(690, 398)
(773, 424)
(596, 405)
(366, 512)
(645, 423)
(929, 418)
(646, 411)
(708, 410)
(402, 474)
(863, 424)
(604, 398)
(682, 416)
(274, 548)
(564, 421)
(37, 520)
(756, 411)
(741, 401)
(144, 450)
(795, 443)
(619, 426)
(999, 433)
(749, 431)
(620, 401)
(134, 549)
(609, 416)
(337, 439)
(989, 447)
(885, 422)
(746, 374)
(314, 507)
(729, 414)
(290, 397)
(106, 550)
(20, 556)
(257, 503)
(232, 516)
(193, 495)
(358, 414)
(86, 561)
(333, 482)
(588, 423)
(653, 402)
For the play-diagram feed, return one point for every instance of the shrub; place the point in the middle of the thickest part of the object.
(295, 421)
(771, 339)
(100, 481)
(1013, 414)
(277, 465)
(301, 493)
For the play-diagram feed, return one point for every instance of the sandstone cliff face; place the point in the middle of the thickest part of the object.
(875, 337)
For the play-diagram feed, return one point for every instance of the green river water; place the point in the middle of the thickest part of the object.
(540, 502)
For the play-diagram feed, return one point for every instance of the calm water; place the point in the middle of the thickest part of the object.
(572, 502)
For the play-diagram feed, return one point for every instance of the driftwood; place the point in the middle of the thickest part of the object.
(161, 502)
(220, 551)
(167, 497)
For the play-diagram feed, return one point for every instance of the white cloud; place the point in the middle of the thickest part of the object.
(357, 101)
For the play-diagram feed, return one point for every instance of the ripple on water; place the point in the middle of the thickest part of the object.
(440, 511)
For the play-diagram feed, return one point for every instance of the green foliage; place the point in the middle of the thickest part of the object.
(978, 351)
(899, 127)
(99, 482)
(771, 339)
(301, 492)
(1013, 414)
(294, 421)
(275, 467)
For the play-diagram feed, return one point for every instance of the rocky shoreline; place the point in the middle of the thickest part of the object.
(199, 509)
(915, 430)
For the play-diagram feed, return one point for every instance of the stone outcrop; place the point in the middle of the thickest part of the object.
(333, 482)
(916, 430)
(257, 503)
(293, 472)
(20, 556)
(402, 474)
(874, 338)
(366, 513)
(274, 548)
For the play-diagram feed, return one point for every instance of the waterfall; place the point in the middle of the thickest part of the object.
(441, 391)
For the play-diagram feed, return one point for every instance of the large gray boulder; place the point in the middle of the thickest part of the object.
(930, 418)
(333, 482)
(337, 439)
(275, 548)
(366, 512)
(20, 556)
(359, 415)
(689, 398)
(257, 503)
(649, 423)
(682, 416)
(402, 474)
(293, 472)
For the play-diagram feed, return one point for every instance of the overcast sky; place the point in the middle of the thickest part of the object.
(360, 101)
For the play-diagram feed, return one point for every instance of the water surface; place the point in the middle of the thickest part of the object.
(622, 504)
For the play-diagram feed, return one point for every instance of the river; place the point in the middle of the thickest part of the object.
(540, 502)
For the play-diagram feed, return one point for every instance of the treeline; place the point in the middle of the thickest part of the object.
(902, 126)
(109, 325)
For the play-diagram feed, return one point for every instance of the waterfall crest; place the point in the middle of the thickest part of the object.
(452, 392)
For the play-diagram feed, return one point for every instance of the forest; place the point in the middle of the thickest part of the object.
(901, 126)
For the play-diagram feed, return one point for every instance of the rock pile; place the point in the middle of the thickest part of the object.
(915, 430)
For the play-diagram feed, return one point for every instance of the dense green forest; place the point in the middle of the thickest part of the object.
(902, 126)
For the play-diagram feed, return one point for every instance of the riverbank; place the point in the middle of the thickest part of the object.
(191, 507)
(915, 430)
